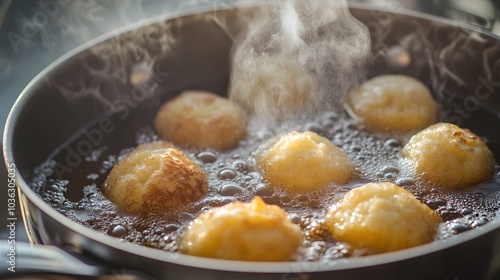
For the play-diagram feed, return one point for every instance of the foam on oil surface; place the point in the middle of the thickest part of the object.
(233, 177)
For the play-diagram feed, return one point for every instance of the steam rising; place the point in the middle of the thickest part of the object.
(110, 67)
(298, 57)
(293, 56)
(452, 61)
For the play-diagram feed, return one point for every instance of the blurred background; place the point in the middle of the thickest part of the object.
(35, 33)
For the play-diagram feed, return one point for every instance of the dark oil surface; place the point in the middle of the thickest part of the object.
(72, 185)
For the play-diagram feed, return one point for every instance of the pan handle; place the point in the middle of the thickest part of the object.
(24, 259)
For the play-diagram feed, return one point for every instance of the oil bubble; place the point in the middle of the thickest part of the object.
(435, 204)
(262, 190)
(390, 169)
(403, 182)
(118, 231)
(240, 165)
(479, 222)
(231, 190)
(171, 227)
(227, 174)
(392, 143)
(459, 227)
(207, 157)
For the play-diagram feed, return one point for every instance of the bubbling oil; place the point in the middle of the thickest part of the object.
(233, 176)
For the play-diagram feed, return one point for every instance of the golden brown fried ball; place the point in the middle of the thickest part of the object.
(155, 178)
(251, 231)
(381, 217)
(450, 157)
(201, 119)
(301, 162)
(393, 102)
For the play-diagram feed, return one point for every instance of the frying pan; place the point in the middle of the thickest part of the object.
(460, 64)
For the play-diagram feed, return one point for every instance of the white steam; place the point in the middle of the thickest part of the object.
(298, 57)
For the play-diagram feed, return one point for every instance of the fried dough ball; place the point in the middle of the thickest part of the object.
(393, 102)
(450, 157)
(273, 84)
(201, 119)
(155, 178)
(381, 217)
(251, 231)
(302, 162)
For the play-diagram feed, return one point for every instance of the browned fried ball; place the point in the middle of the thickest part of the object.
(252, 231)
(381, 217)
(201, 119)
(156, 177)
(449, 156)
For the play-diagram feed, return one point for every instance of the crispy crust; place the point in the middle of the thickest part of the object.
(155, 178)
(449, 156)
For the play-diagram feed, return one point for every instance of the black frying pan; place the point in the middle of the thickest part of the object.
(45, 116)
